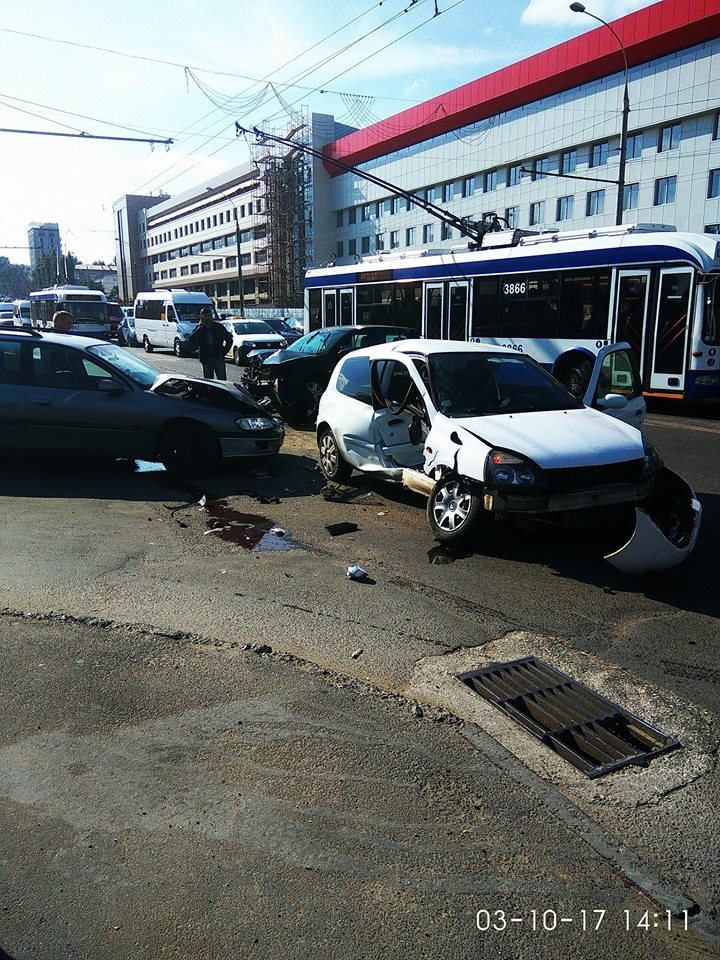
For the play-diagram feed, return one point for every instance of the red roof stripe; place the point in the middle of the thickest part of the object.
(647, 34)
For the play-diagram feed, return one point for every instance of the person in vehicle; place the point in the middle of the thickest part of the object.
(62, 321)
(212, 341)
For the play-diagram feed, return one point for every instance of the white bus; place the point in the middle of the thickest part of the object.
(88, 307)
(560, 297)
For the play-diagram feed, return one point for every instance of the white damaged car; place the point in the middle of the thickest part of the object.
(486, 432)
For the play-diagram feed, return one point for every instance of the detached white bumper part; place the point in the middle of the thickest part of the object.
(649, 549)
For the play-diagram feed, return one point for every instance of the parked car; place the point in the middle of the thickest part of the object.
(115, 312)
(487, 433)
(126, 335)
(249, 335)
(68, 394)
(281, 325)
(6, 315)
(294, 379)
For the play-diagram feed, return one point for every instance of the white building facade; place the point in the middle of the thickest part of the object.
(500, 144)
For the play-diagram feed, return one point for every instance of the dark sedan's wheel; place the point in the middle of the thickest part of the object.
(147, 346)
(454, 512)
(177, 347)
(188, 448)
(314, 390)
(332, 464)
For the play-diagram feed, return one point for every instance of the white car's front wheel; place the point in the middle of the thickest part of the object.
(454, 512)
(332, 464)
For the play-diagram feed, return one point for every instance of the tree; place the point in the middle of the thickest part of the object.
(50, 269)
(15, 280)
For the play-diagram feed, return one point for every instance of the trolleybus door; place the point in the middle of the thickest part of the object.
(456, 327)
(347, 318)
(330, 308)
(669, 347)
(433, 312)
(631, 311)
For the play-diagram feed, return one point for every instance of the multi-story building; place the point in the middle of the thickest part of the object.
(538, 142)
(43, 238)
(130, 231)
(90, 273)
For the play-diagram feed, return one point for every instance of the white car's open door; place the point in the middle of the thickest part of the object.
(615, 387)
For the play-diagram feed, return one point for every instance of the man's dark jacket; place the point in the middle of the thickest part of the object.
(212, 343)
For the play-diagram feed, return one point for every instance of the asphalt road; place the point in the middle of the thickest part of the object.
(138, 616)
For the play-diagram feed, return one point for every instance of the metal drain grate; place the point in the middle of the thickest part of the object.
(589, 731)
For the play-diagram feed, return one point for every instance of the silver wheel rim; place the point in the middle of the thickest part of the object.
(328, 454)
(451, 506)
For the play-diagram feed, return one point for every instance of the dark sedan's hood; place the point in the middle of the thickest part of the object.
(217, 393)
(283, 356)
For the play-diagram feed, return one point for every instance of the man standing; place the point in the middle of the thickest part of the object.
(213, 341)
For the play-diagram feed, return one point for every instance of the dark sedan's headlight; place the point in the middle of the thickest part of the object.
(652, 461)
(256, 423)
(508, 470)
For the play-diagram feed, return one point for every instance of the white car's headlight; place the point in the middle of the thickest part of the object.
(652, 461)
(255, 423)
(507, 469)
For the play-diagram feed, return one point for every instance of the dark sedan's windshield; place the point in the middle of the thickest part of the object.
(319, 341)
(480, 384)
(127, 364)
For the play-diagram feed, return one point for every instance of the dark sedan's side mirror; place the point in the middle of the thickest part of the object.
(111, 386)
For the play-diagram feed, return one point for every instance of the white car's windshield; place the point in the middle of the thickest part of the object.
(480, 384)
(245, 327)
(126, 363)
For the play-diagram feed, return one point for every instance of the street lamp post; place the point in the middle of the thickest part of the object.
(237, 247)
(579, 8)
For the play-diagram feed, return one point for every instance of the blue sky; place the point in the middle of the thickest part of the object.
(372, 59)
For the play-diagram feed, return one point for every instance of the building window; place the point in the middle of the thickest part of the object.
(514, 175)
(195, 268)
(172, 273)
(380, 241)
(364, 244)
(205, 266)
(595, 203)
(468, 186)
(428, 232)
(245, 260)
(565, 206)
(445, 231)
(184, 271)
(366, 212)
(716, 127)
(569, 161)
(599, 154)
(631, 194)
(511, 215)
(163, 274)
(230, 263)
(410, 237)
(540, 167)
(352, 215)
(339, 218)
(714, 184)
(634, 146)
(537, 213)
(340, 251)
(217, 264)
(669, 138)
(394, 239)
(352, 247)
(665, 190)
(250, 208)
(261, 256)
(491, 180)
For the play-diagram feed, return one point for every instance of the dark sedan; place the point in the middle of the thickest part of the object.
(65, 394)
(294, 379)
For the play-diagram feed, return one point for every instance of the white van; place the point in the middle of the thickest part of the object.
(166, 318)
(21, 313)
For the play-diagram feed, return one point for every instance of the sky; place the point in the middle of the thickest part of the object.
(187, 70)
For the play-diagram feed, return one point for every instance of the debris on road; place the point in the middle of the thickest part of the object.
(356, 573)
(357, 653)
(338, 529)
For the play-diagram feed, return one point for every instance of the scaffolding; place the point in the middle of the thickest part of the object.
(285, 241)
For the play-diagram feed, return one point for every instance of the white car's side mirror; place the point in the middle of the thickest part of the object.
(612, 401)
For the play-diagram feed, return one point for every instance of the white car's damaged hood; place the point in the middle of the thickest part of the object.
(558, 438)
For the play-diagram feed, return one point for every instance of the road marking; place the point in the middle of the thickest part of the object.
(679, 424)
